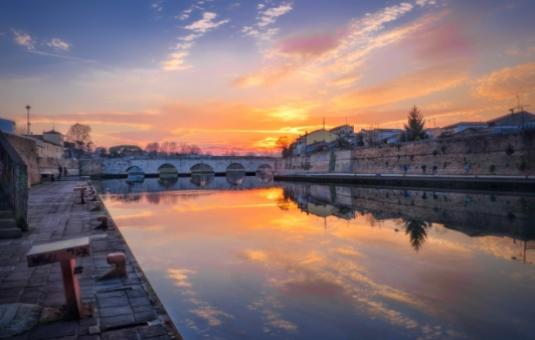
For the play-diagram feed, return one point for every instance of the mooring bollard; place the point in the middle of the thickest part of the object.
(82, 192)
(64, 252)
(103, 222)
(118, 261)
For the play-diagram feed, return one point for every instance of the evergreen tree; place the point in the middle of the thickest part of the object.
(417, 231)
(414, 129)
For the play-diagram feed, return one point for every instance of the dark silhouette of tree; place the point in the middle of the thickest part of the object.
(80, 134)
(417, 231)
(284, 201)
(283, 144)
(414, 129)
(153, 148)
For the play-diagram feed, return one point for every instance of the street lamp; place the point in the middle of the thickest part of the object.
(28, 107)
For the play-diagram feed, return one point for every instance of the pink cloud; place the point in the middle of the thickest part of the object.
(309, 45)
(447, 38)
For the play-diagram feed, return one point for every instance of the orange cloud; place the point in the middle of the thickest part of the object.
(508, 82)
(411, 85)
(265, 77)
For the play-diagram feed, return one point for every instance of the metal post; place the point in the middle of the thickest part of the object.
(72, 288)
(28, 107)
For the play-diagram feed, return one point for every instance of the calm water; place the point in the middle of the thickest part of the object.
(249, 258)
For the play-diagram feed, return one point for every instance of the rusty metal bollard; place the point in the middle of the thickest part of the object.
(118, 261)
(103, 222)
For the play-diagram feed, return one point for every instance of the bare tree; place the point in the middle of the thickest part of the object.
(153, 148)
(79, 133)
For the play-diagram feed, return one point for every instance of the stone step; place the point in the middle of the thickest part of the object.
(10, 233)
(6, 213)
(7, 223)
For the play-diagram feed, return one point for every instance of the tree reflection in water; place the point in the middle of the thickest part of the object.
(417, 231)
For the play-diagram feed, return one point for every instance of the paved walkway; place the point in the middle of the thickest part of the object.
(121, 308)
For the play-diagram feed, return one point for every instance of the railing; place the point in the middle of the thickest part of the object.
(14, 181)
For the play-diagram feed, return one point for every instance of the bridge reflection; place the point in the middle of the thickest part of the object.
(234, 181)
(506, 217)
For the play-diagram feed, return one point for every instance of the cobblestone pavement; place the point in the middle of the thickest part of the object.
(121, 308)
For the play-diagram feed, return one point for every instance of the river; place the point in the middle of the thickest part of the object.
(251, 258)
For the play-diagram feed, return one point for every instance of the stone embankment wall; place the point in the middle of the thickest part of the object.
(14, 181)
(27, 150)
(50, 165)
(90, 167)
(506, 154)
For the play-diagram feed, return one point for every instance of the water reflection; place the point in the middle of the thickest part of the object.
(416, 229)
(290, 260)
(235, 177)
(202, 180)
(475, 214)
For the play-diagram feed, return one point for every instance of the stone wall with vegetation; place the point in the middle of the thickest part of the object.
(505, 154)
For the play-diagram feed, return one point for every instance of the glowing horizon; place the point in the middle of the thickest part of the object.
(235, 76)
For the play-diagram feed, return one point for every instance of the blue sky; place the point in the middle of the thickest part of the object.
(259, 69)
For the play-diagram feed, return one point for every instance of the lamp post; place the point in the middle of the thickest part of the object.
(28, 107)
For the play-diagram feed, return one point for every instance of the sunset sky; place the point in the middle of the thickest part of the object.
(236, 75)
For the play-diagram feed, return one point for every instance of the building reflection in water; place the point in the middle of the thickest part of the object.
(474, 214)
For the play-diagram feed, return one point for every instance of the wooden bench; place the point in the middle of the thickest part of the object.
(65, 252)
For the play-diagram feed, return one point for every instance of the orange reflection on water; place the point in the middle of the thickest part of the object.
(272, 260)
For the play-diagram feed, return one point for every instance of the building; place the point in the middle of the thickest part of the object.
(7, 125)
(49, 144)
(461, 126)
(323, 139)
(380, 136)
(434, 132)
(514, 120)
(299, 146)
(346, 133)
(53, 137)
(320, 135)
(46, 149)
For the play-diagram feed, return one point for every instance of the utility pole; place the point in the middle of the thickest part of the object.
(28, 107)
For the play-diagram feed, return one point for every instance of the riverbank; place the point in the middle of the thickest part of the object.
(500, 183)
(116, 308)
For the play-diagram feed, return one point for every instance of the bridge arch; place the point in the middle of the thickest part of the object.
(135, 174)
(235, 167)
(167, 171)
(134, 170)
(265, 168)
(201, 168)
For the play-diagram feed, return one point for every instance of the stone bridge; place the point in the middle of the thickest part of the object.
(187, 165)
